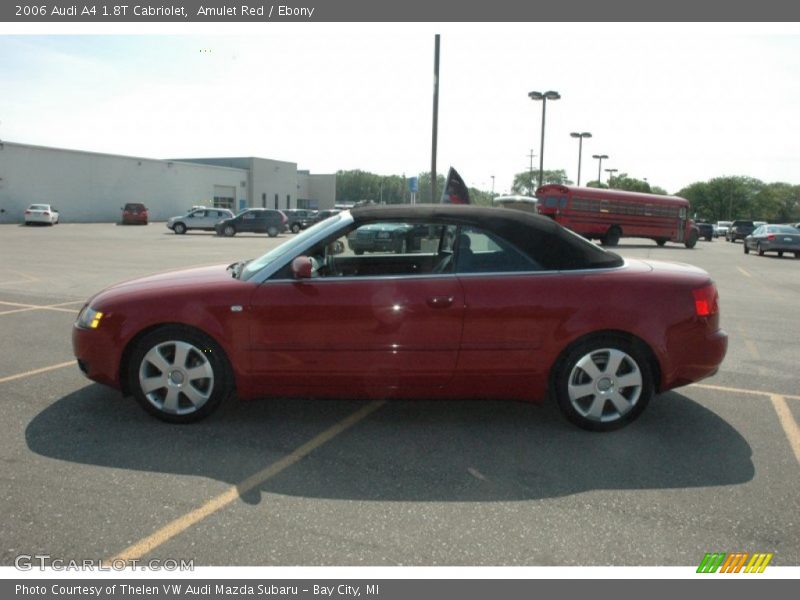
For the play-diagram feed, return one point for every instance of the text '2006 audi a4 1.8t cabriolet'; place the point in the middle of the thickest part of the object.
(481, 303)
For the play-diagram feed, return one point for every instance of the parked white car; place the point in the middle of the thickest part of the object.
(41, 213)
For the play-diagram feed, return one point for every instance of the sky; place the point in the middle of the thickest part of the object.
(670, 103)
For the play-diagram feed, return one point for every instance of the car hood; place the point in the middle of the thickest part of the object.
(196, 281)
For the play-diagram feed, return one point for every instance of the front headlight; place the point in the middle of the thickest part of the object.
(89, 318)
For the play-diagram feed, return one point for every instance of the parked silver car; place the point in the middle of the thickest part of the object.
(199, 218)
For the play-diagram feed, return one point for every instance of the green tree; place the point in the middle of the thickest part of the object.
(524, 186)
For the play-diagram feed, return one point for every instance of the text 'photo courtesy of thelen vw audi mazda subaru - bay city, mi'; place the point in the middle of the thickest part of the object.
(477, 303)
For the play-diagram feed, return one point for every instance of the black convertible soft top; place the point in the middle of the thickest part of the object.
(544, 240)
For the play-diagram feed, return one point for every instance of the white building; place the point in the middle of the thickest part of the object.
(89, 187)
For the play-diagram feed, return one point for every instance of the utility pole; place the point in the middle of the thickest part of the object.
(530, 176)
(435, 116)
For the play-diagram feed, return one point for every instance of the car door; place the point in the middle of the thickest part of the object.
(375, 332)
(513, 312)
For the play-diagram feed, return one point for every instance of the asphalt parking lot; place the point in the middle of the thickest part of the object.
(88, 475)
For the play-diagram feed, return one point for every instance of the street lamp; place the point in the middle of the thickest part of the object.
(580, 137)
(544, 97)
(492, 186)
(610, 175)
(599, 157)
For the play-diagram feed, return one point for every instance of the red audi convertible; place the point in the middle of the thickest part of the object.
(471, 303)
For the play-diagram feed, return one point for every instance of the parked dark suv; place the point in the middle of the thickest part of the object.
(254, 220)
(739, 230)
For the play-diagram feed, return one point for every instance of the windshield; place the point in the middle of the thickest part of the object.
(254, 266)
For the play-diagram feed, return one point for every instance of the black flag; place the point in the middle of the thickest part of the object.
(455, 190)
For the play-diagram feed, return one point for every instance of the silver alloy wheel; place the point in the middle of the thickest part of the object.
(604, 385)
(176, 377)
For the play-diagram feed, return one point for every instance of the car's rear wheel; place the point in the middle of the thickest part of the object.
(272, 231)
(691, 241)
(603, 384)
(760, 250)
(661, 241)
(229, 231)
(179, 228)
(746, 248)
(179, 375)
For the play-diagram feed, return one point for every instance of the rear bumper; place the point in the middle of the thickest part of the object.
(697, 359)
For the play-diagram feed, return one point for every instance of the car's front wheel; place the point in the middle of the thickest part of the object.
(295, 228)
(179, 228)
(179, 375)
(603, 384)
(272, 231)
(746, 248)
(229, 231)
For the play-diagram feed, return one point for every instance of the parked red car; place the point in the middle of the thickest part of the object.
(484, 303)
(134, 213)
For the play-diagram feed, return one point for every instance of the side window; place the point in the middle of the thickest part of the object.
(198, 214)
(477, 251)
(384, 249)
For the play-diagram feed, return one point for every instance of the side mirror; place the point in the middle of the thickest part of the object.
(302, 268)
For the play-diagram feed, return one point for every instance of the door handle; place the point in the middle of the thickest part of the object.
(440, 301)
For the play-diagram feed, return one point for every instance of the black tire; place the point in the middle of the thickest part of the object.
(760, 250)
(179, 228)
(177, 396)
(358, 252)
(780, 253)
(611, 238)
(691, 241)
(272, 231)
(797, 254)
(606, 405)
(295, 228)
(709, 238)
(661, 241)
(229, 231)
(746, 248)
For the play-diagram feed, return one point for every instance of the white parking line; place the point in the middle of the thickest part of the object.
(788, 423)
(37, 371)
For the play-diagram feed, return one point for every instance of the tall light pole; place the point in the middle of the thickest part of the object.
(599, 157)
(492, 186)
(610, 175)
(580, 137)
(544, 97)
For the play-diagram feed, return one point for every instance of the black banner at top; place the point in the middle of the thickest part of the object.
(210, 11)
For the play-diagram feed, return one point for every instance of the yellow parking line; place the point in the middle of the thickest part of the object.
(37, 371)
(181, 524)
(743, 272)
(29, 307)
(788, 423)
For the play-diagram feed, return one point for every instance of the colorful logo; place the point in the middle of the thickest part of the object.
(734, 562)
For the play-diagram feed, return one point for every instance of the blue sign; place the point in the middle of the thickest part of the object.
(413, 184)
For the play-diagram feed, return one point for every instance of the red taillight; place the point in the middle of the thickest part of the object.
(706, 300)
(27, 212)
(771, 236)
